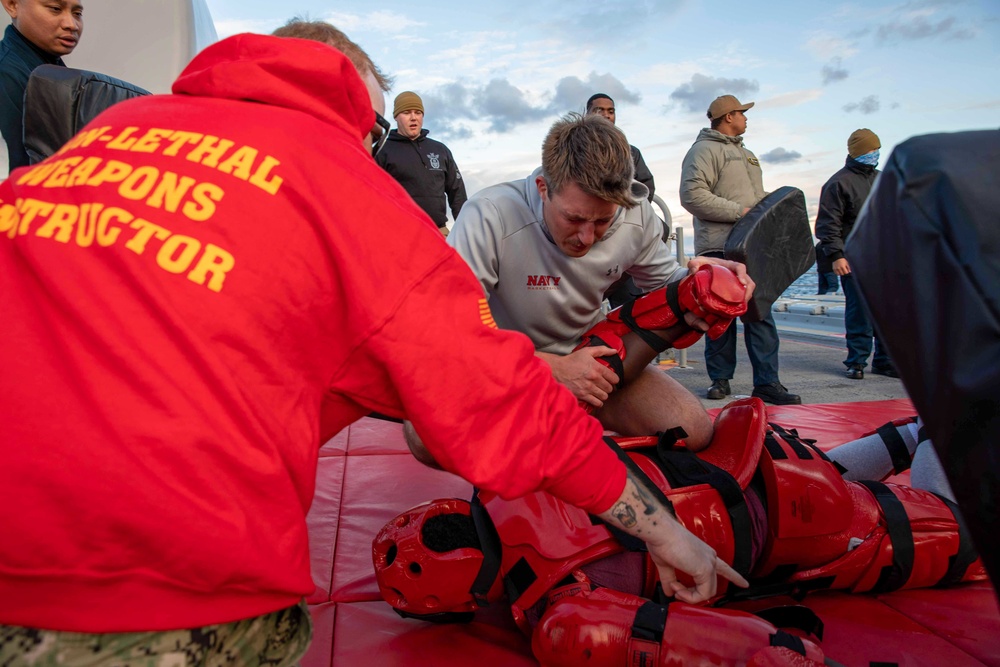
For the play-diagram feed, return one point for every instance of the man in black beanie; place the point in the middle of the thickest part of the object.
(424, 167)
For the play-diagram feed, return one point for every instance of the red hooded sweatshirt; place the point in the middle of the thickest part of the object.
(198, 289)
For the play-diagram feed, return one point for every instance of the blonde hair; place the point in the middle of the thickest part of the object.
(591, 152)
(321, 31)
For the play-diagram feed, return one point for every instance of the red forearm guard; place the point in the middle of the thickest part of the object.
(611, 628)
(713, 293)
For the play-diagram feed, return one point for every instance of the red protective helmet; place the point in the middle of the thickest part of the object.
(427, 561)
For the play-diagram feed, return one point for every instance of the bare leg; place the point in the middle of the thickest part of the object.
(653, 402)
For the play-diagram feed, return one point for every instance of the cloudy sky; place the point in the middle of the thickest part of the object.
(494, 77)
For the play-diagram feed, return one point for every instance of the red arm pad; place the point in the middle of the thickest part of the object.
(611, 628)
(713, 293)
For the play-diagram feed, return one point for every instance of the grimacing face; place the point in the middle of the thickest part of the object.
(54, 26)
(409, 123)
(575, 219)
(602, 106)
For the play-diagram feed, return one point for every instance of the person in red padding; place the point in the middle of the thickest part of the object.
(785, 515)
(200, 288)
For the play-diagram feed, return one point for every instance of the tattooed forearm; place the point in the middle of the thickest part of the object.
(624, 514)
(642, 494)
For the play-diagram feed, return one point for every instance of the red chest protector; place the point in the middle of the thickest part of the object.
(545, 540)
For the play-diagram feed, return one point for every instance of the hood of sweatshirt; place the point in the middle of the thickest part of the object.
(297, 74)
(708, 134)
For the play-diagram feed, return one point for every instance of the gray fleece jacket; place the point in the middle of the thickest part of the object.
(719, 179)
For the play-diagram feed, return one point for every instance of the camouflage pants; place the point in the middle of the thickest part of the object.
(272, 640)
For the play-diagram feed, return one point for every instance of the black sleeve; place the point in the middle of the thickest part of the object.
(454, 186)
(642, 172)
(830, 221)
(11, 119)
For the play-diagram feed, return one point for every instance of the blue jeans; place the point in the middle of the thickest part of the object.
(859, 330)
(761, 339)
(827, 283)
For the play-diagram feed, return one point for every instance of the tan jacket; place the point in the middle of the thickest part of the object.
(719, 179)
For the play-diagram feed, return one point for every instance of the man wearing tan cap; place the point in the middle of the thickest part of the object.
(424, 167)
(720, 181)
(840, 202)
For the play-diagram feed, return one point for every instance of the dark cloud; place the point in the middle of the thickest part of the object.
(832, 72)
(504, 106)
(866, 106)
(779, 155)
(699, 93)
(916, 27)
(572, 92)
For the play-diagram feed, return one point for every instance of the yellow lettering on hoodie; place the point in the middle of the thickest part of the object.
(124, 140)
(260, 177)
(60, 223)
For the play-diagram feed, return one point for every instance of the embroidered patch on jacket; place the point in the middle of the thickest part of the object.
(435, 160)
(753, 161)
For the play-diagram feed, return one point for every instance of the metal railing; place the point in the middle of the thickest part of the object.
(677, 237)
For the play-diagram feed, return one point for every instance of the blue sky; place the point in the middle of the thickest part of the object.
(494, 78)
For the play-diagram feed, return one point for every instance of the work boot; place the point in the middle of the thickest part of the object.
(887, 371)
(856, 372)
(776, 394)
(719, 389)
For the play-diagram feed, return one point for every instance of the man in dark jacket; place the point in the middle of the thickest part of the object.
(39, 33)
(424, 167)
(839, 204)
(603, 105)
(625, 290)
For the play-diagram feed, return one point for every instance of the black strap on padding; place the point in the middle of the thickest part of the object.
(777, 584)
(896, 446)
(792, 438)
(650, 622)
(491, 546)
(793, 616)
(785, 640)
(894, 576)
(651, 339)
(775, 450)
(613, 360)
(682, 468)
(518, 579)
(966, 555)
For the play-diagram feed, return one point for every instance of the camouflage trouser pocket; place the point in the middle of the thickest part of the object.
(278, 639)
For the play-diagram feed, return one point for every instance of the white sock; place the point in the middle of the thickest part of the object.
(869, 457)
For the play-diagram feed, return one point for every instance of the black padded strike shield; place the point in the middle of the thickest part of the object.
(775, 242)
(59, 101)
(926, 255)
